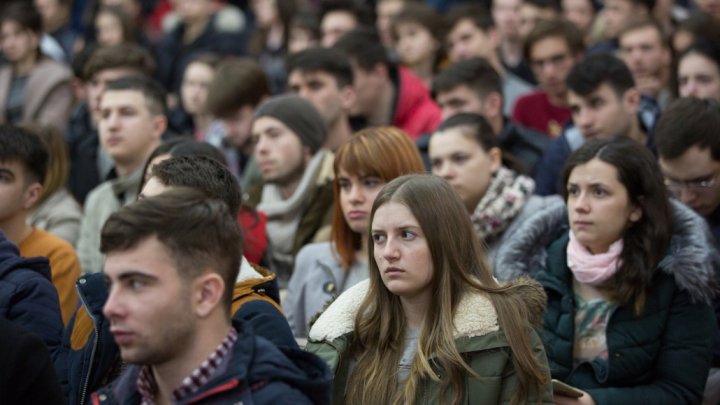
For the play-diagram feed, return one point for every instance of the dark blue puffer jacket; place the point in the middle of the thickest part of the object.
(27, 296)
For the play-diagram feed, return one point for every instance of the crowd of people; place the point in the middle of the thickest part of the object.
(359, 201)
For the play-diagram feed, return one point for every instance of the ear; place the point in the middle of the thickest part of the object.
(32, 194)
(631, 99)
(495, 155)
(207, 293)
(307, 154)
(492, 105)
(494, 37)
(347, 97)
(160, 124)
(635, 214)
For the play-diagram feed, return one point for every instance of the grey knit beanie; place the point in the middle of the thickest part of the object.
(298, 115)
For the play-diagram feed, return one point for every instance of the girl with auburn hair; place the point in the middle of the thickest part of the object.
(629, 276)
(432, 325)
(363, 165)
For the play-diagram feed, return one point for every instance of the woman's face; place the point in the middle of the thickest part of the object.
(579, 12)
(401, 251)
(195, 85)
(109, 29)
(464, 164)
(599, 208)
(698, 76)
(18, 44)
(415, 44)
(357, 195)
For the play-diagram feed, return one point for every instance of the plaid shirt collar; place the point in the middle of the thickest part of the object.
(147, 386)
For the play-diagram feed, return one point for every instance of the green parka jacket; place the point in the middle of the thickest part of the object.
(478, 338)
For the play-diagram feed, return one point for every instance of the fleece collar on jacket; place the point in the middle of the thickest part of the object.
(691, 259)
(475, 315)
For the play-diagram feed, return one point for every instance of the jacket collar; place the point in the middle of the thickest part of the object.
(691, 259)
(475, 315)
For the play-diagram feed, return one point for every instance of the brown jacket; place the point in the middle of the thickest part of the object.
(48, 95)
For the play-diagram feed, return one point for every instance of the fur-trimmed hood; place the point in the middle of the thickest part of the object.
(475, 315)
(692, 258)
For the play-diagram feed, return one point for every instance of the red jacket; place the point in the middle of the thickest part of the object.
(415, 111)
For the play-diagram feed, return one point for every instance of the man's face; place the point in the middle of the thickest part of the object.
(386, 10)
(698, 76)
(149, 304)
(322, 90)
(466, 40)
(128, 130)
(692, 177)
(643, 52)
(530, 14)
(551, 62)
(96, 85)
(618, 14)
(368, 86)
(579, 12)
(280, 154)
(461, 99)
(334, 25)
(506, 14)
(17, 193)
(238, 126)
(603, 113)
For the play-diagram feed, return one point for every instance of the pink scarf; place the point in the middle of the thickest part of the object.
(589, 268)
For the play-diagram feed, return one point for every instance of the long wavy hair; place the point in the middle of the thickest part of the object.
(459, 268)
(382, 152)
(645, 241)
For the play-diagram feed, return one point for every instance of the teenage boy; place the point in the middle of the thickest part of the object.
(132, 121)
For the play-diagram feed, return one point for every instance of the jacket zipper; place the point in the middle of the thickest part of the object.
(94, 348)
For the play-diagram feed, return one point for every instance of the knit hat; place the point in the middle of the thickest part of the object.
(298, 115)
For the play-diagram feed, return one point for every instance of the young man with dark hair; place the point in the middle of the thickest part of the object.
(617, 15)
(324, 77)
(471, 33)
(171, 262)
(689, 154)
(338, 17)
(23, 166)
(552, 48)
(534, 11)
(131, 125)
(604, 103)
(386, 94)
(89, 165)
(238, 87)
(647, 54)
(473, 86)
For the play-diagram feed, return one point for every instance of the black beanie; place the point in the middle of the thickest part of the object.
(299, 115)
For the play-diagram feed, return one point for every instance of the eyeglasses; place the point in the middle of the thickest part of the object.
(698, 186)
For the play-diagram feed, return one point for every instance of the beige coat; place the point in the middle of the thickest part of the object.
(48, 95)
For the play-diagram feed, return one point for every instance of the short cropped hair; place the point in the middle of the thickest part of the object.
(18, 144)
(201, 173)
(152, 91)
(554, 28)
(123, 56)
(363, 47)
(476, 73)
(688, 122)
(198, 233)
(587, 75)
(237, 83)
(362, 13)
(328, 60)
(476, 13)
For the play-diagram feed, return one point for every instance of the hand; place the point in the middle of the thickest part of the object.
(586, 399)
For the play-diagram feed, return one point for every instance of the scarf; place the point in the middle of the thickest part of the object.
(503, 200)
(589, 268)
(284, 215)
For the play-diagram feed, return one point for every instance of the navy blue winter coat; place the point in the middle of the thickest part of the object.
(258, 373)
(27, 296)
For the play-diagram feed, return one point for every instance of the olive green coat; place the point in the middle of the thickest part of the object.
(478, 338)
